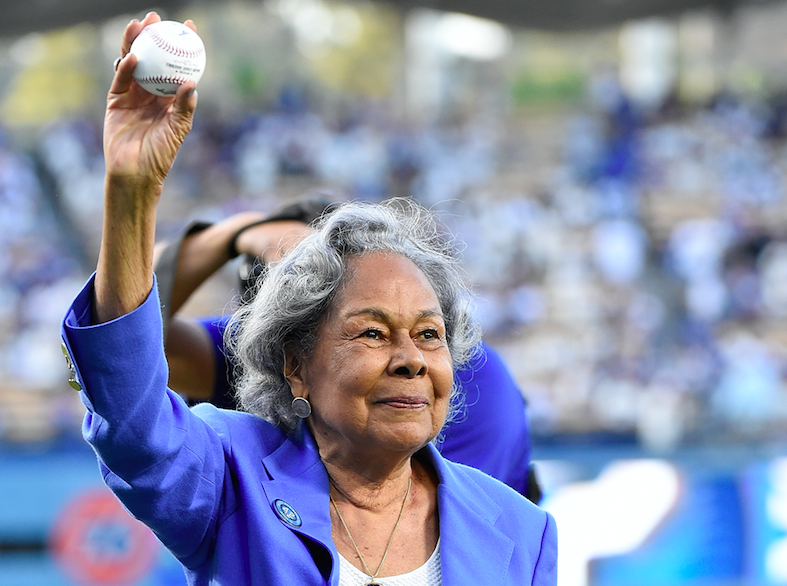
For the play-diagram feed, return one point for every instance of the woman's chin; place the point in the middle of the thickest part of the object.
(404, 437)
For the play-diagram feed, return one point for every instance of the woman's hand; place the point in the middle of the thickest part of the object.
(142, 135)
(143, 132)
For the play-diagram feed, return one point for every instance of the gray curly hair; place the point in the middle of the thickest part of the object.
(296, 294)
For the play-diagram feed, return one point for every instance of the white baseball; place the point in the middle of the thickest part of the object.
(168, 54)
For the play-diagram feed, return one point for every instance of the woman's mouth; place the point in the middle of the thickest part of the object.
(405, 402)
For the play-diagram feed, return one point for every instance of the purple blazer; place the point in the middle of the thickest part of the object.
(237, 500)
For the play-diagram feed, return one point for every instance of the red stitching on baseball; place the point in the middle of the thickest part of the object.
(161, 79)
(169, 47)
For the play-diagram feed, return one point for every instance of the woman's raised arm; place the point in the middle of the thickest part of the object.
(142, 135)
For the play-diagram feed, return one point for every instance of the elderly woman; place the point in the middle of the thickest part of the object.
(491, 432)
(347, 360)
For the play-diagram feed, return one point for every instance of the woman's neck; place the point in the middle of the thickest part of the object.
(373, 487)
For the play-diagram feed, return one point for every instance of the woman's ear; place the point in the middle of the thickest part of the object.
(293, 373)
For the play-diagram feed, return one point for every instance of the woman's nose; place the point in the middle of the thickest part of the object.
(407, 359)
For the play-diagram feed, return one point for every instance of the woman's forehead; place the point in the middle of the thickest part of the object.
(377, 280)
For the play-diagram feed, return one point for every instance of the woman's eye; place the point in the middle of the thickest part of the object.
(430, 335)
(372, 334)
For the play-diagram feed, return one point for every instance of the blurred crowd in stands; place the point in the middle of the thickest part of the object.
(631, 267)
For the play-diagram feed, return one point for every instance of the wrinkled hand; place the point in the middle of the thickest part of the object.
(143, 132)
(142, 135)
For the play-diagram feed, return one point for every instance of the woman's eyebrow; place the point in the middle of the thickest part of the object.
(384, 316)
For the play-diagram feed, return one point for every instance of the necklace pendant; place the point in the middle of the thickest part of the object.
(372, 583)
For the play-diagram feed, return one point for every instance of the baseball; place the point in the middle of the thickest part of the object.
(168, 54)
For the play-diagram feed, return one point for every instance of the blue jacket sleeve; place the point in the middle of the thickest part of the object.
(493, 433)
(223, 395)
(164, 463)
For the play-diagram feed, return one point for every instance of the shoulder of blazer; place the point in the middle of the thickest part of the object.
(236, 428)
(488, 496)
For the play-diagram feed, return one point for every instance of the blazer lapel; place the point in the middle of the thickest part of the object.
(298, 488)
(473, 550)
(298, 492)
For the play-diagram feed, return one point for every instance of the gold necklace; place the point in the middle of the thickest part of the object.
(390, 540)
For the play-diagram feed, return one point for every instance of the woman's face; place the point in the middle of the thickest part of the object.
(380, 376)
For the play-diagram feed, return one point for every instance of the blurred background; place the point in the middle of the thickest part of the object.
(614, 170)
